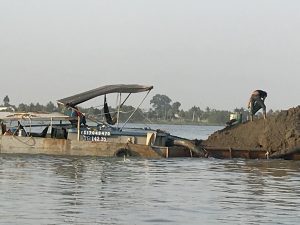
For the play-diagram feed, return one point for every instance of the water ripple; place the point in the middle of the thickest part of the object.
(62, 190)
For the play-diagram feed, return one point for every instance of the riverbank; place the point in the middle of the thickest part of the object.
(167, 122)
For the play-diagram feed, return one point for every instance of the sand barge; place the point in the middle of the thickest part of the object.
(276, 137)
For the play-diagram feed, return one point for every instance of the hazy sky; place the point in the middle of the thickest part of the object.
(198, 52)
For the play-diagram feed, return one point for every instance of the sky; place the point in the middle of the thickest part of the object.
(208, 53)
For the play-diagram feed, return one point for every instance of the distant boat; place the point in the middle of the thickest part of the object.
(70, 135)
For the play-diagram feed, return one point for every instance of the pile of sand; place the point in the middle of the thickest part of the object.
(276, 133)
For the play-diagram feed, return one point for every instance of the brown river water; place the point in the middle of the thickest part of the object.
(89, 190)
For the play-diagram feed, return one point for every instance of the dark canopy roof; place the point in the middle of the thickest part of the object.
(119, 88)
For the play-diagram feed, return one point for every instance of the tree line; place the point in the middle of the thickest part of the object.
(163, 110)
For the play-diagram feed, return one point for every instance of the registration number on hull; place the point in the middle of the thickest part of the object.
(89, 135)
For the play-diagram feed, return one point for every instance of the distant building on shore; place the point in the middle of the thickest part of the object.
(6, 109)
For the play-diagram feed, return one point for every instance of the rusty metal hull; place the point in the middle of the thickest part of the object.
(12, 144)
(289, 154)
(67, 147)
(50, 146)
(228, 153)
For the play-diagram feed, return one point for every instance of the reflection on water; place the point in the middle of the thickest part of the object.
(48, 190)
(88, 190)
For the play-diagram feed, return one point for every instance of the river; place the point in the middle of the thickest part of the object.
(38, 190)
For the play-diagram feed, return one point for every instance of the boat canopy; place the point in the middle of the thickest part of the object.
(108, 89)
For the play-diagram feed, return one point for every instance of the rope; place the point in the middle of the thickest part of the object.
(24, 142)
(124, 100)
(146, 118)
(135, 110)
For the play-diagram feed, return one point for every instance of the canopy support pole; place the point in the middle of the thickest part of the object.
(135, 109)
(119, 108)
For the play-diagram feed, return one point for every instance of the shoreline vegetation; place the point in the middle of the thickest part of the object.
(163, 111)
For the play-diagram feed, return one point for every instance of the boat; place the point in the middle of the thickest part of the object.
(70, 135)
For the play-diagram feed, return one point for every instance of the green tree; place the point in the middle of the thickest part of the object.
(126, 111)
(218, 117)
(6, 101)
(182, 113)
(161, 105)
(170, 114)
(194, 114)
(22, 108)
(152, 115)
(175, 108)
(93, 111)
(31, 107)
(39, 107)
(50, 107)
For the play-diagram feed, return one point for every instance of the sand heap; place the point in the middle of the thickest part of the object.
(276, 133)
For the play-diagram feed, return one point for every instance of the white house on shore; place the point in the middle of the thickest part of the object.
(6, 108)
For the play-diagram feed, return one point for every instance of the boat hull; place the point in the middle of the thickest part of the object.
(229, 153)
(50, 146)
(67, 147)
